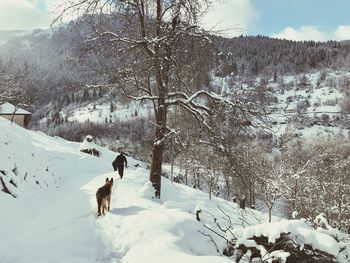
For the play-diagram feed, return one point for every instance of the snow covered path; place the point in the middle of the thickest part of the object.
(139, 228)
(61, 225)
(52, 226)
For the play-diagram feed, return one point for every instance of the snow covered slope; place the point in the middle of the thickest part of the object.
(302, 105)
(102, 113)
(54, 219)
(51, 218)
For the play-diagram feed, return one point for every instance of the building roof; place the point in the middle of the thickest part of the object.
(290, 107)
(8, 108)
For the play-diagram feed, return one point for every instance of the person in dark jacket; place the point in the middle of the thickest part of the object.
(118, 164)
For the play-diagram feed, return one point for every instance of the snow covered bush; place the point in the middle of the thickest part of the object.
(285, 241)
(288, 241)
(318, 180)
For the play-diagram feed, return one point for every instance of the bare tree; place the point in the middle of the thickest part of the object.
(270, 186)
(158, 44)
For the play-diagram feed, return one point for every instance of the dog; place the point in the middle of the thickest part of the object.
(103, 196)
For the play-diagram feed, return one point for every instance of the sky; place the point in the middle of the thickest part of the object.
(318, 20)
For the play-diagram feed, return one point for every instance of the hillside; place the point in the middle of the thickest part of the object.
(265, 55)
(53, 61)
(309, 80)
(53, 217)
(304, 105)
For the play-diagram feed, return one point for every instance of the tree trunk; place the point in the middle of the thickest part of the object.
(172, 164)
(160, 113)
(159, 143)
(210, 187)
(156, 167)
(158, 148)
(227, 182)
(295, 194)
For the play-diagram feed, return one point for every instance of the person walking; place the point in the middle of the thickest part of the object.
(118, 164)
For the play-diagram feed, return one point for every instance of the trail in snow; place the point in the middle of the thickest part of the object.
(51, 226)
(139, 228)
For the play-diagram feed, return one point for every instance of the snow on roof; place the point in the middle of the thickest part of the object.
(290, 107)
(8, 108)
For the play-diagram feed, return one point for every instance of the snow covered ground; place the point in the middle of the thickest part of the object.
(51, 218)
(102, 112)
(54, 217)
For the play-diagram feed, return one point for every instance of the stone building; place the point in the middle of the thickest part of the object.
(20, 116)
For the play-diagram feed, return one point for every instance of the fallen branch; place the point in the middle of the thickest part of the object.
(5, 189)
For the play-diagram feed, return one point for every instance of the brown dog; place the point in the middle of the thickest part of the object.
(103, 196)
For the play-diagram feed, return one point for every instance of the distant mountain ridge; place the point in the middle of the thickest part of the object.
(262, 55)
(244, 55)
(6, 35)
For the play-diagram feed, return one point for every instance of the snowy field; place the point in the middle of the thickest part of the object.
(54, 215)
(102, 112)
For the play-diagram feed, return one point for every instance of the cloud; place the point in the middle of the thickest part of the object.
(23, 14)
(342, 33)
(313, 33)
(303, 33)
(40, 4)
(231, 17)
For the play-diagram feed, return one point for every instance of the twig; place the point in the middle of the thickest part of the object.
(228, 241)
(212, 240)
